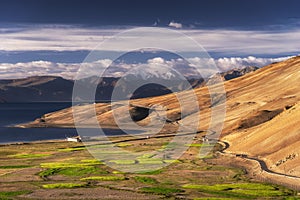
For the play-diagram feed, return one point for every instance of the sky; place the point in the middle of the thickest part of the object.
(53, 37)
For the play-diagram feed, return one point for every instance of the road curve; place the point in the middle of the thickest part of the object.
(262, 164)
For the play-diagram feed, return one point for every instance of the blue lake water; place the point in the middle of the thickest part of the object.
(16, 113)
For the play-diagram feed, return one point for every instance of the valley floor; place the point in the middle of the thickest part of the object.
(66, 170)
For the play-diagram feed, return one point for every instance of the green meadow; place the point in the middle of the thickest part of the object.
(57, 167)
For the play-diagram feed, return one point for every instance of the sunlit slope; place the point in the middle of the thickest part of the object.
(262, 114)
(276, 141)
(251, 100)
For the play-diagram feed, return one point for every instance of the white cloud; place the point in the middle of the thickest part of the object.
(190, 67)
(175, 24)
(45, 68)
(237, 62)
(157, 60)
(56, 38)
(71, 38)
(242, 42)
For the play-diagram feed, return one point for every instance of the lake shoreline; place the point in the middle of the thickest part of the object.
(33, 142)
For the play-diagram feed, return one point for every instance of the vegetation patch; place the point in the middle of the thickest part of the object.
(25, 155)
(169, 145)
(96, 146)
(152, 161)
(194, 145)
(6, 153)
(240, 190)
(72, 149)
(146, 180)
(14, 166)
(92, 161)
(10, 194)
(172, 161)
(199, 145)
(107, 152)
(72, 171)
(154, 172)
(48, 172)
(123, 162)
(124, 145)
(118, 172)
(104, 178)
(64, 185)
(65, 165)
(161, 190)
(146, 155)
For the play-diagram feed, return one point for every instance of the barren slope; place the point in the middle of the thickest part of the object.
(276, 141)
(262, 116)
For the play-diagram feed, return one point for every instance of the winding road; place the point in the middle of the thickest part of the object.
(262, 164)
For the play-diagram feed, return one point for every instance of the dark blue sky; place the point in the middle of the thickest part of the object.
(238, 14)
(53, 37)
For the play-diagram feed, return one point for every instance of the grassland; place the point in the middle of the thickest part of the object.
(10, 194)
(63, 185)
(241, 190)
(63, 169)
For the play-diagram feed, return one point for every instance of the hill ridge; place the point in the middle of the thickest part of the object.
(267, 95)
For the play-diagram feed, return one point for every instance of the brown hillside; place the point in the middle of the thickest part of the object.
(276, 141)
(261, 119)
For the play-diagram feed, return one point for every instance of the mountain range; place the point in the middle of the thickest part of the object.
(58, 89)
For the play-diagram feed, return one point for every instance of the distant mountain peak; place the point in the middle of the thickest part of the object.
(52, 88)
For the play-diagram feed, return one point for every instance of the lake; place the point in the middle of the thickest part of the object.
(16, 113)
